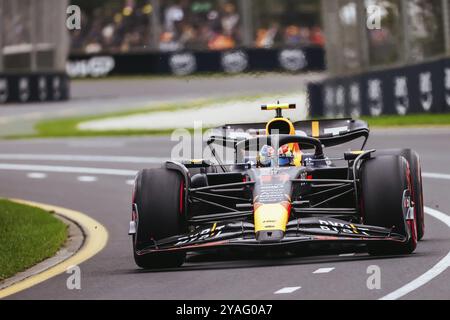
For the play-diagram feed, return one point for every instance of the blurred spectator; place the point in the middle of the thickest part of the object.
(221, 41)
(117, 26)
(317, 37)
(167, 42)
(126, 25)
(173, 14)
(295, 35)
(230, 19)
(267, 38)
(291, 35)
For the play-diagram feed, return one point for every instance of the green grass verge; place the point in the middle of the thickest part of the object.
(412, 120)
(68, 127)
(28, 235)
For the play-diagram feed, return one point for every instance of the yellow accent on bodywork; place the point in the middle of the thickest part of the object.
(270, 217)
(278, 106)
(315, 129)
(291, 125)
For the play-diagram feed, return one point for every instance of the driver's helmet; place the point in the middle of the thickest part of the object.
(265, 156)
(285, 156)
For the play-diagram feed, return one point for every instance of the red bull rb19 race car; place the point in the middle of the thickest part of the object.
(281, 192)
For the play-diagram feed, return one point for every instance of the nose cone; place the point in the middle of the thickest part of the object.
(271, 221)
(269, 236)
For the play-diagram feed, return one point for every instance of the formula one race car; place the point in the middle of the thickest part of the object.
(280, 192)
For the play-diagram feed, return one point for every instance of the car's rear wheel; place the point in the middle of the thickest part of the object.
(159, 201)
(384, 181)
(417, 189)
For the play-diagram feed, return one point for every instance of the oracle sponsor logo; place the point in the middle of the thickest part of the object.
(94, 67)
(401, 95)
(447, 87)
(56, 88)
(234, 62)
(375, 97)
(182, 64)
(340, 101)
(426, 90)
(42, 89)
(3, 90)
(24, 89)
(329, 101)
(293, 60)
(355, 100)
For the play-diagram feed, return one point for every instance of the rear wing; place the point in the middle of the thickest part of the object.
(333, 132)
(330, 132)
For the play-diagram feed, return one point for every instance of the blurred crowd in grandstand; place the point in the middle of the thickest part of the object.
(127, 25)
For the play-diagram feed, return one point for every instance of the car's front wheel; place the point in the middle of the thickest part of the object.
(385, 181)
(158, 200)
(416, 174)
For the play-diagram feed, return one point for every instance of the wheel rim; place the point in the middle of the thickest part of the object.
(412, 224)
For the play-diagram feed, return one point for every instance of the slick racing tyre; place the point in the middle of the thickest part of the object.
(416, 175)
(384, 180)
(159, 200)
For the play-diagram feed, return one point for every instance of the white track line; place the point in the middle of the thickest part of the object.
(287, 290)
(130, 182)
(439, 268)
(61, 169)
(122, 159)
(323, 270)
(36, 175)
(81, 158)
(87, 179)
(432, 175)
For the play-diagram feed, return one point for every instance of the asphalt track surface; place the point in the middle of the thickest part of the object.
(112, 274)
(54, 172)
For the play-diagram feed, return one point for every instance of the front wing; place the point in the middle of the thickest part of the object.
(241, 235)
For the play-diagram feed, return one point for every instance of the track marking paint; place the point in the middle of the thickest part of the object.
(87, 179)
(103, 171)
(432, 175)
(130, 182)
(36, 175)
(323, 270)
(439, 268)
(287, 290)
(63, 169)
(80, 158)
(96, 237)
